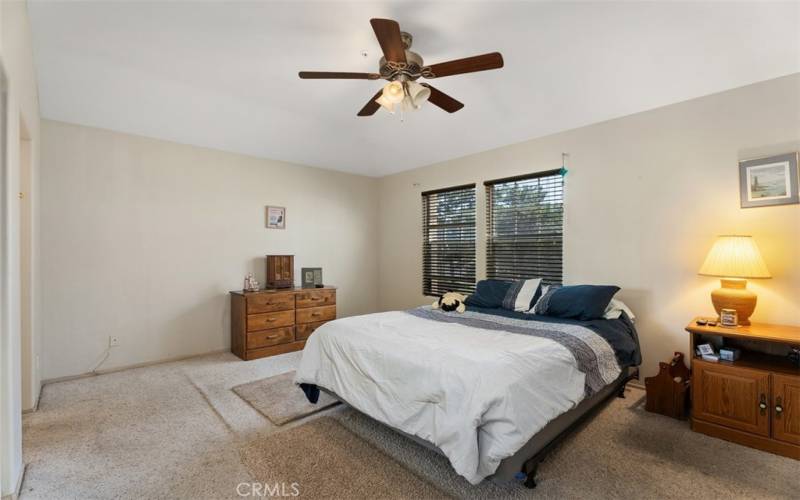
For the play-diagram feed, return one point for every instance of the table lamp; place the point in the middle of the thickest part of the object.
(734, 259)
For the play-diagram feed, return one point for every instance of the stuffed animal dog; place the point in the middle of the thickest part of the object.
(451, 301)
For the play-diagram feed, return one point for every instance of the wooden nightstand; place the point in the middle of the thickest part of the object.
(755, 400)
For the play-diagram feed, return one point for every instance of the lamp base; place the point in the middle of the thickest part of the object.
(735, 295)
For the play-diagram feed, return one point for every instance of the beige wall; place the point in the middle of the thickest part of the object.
(22, 107)
(144, 238)
(645, 197)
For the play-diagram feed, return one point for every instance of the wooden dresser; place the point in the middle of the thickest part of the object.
(755, 400)
(270, 322)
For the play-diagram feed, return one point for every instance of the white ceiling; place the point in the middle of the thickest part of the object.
(224, 75)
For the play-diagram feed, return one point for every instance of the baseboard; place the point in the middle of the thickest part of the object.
(127, 367)
(18, 488)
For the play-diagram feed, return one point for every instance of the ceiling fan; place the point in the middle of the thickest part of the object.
(402, 68)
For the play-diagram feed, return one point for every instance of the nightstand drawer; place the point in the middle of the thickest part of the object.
(324, 313)
(303, 331)
(268, 302)
(265, 321)
(316, 298)
(266, 338)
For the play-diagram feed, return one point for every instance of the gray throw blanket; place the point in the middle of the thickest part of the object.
(593, 354)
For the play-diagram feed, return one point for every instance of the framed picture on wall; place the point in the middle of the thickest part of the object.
(769, 181)
(276, 217)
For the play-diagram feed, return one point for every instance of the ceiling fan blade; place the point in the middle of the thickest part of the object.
(338, 75)
(472, 64)
(371, 107)
(443, 100)
(388, 34)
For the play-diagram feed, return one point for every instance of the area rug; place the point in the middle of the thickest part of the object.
(323, 459)
(280, 400)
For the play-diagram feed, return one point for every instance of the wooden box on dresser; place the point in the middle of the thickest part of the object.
(270, 322)
(754, 400)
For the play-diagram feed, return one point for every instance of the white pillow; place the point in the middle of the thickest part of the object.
(521, 294)
(615, 309)
(532, 310)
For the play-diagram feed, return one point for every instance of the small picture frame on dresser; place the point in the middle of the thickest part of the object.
(311, 277)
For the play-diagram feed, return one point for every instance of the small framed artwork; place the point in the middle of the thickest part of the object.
(769, 181)
(276, 217)
(312, 277)
(705, 350)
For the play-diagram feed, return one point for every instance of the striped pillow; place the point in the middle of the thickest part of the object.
(544, 300)
(521, 294)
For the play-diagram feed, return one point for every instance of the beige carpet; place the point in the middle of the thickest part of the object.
(280, 400)
(177, 430)
(322, 459)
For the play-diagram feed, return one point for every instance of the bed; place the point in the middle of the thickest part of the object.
(493, 390)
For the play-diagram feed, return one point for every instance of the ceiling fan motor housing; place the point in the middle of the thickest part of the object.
(410, 70)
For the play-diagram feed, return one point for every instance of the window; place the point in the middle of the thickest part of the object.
(525, 227)
(448, 240)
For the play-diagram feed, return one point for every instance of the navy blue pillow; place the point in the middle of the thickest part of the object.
(489, 293)
(583, 302)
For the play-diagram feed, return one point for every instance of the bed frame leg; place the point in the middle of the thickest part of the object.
(530, 476)
(633, 374)
(528, 473)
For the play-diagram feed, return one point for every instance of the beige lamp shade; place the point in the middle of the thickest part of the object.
(735, 257)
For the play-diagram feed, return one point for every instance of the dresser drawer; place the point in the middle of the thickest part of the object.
(316, 298)
(266, 338)
(304, 330)
(265, 321)
(314, 314)
(268, 302)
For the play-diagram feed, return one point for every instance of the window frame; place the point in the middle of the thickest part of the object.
(463, 281)
(548, 263)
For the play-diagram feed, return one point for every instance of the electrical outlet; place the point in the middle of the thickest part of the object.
(113, 341)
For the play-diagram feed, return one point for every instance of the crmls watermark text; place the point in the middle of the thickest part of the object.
(268, 489)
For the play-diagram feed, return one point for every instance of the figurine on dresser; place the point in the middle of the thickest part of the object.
(250, 283)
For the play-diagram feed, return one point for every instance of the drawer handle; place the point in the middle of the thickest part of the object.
(316, 314)
(778, 408)
(272, 320)
(763, 404)
(272, 337)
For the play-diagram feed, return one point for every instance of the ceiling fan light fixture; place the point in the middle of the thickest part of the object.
(385, 103)
(417, 93)
(408, 105)
(394, 92)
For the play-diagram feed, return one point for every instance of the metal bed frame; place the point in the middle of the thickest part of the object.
(524, 464)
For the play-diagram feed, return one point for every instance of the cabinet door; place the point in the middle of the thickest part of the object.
(735, 397)
(786, 408)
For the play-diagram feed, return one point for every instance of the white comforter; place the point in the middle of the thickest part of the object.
(477, 394)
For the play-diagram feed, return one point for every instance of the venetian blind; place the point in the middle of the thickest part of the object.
(525, 227)
(448, 240)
